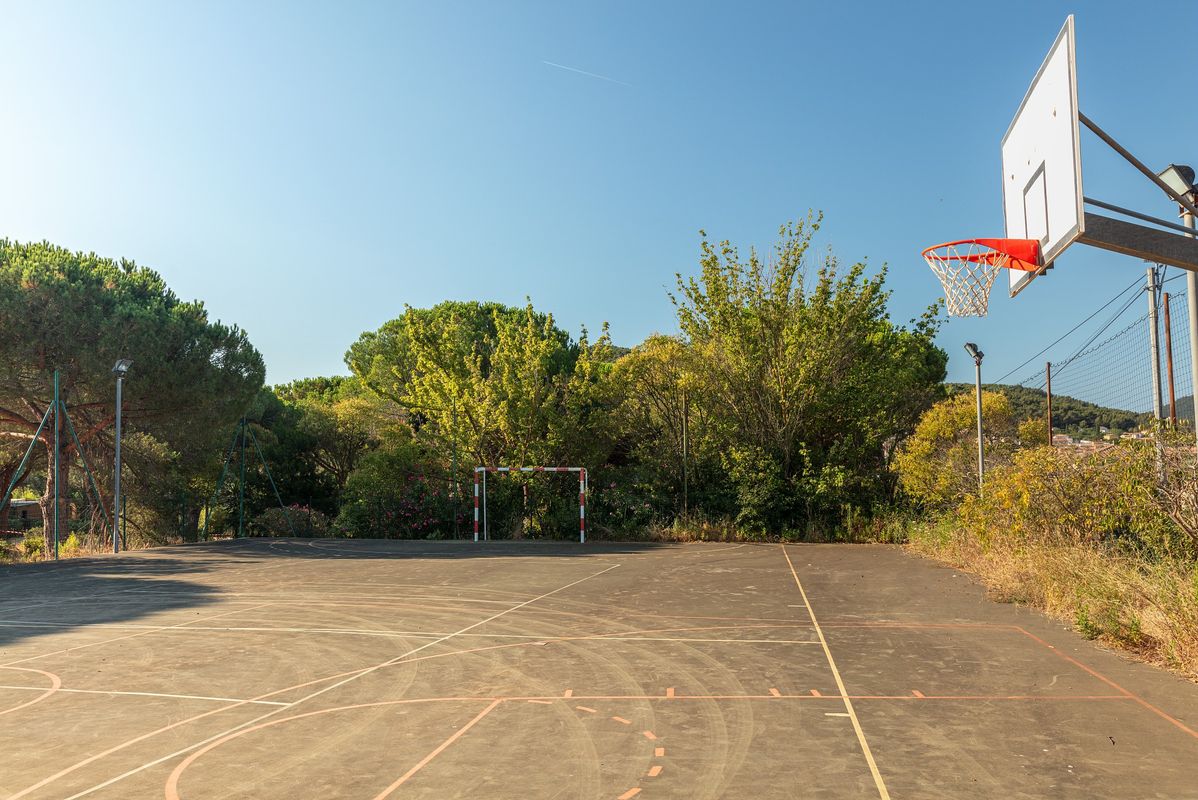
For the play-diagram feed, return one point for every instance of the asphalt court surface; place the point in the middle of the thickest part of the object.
(369, 669)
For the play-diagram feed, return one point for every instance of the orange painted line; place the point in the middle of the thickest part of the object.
(420, 765)
(917, 693)
(948, 625)
(815, 693)
(542, 702)
(172, 782)
(649, 735)
(622, 721)
(659, 752)
(584, 708)
(775, 692)
(670, 692)
(654, 771)
(633, 792)
(1130, 695)
(568, 693)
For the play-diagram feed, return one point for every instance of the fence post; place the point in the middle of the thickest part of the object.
(1169, 363)
(1154, 344)
(1048, 395)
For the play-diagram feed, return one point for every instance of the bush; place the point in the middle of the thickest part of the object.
(937, 465)
(72, 547)
(1088, 538)
(297, 520)
(33, 546)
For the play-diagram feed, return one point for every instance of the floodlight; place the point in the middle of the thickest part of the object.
(121, 367)
(973, 351)
(1179, 178)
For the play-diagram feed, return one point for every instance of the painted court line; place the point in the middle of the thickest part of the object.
(351, 677)
(883, 794)
(1129, 695)
(453, 738)
(149, 694)
(130, 636)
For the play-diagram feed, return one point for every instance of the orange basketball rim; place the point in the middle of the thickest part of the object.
(967, 269)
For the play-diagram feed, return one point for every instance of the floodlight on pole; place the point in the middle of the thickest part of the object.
(120, 369)
(977, 356)
(1179, 178)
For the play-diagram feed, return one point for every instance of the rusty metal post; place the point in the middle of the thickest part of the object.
(1048, 394)
(1169, 363)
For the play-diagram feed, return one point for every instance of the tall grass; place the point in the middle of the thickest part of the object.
(1088, 538)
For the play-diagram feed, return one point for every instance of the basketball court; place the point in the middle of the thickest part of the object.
(373, 669)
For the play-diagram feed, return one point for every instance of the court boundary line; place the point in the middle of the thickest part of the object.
(351, 676)
(883, 794)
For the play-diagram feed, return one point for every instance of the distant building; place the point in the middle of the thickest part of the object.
(24, 515)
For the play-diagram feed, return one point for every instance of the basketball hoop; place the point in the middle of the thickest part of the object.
(967, 269)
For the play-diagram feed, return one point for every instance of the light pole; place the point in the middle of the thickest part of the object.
(1180, 178)
(977, 356)
(119, 371)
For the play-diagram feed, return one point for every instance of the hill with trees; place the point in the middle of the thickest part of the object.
(1069, 415)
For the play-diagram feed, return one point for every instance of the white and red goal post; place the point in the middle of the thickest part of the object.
(582, 494)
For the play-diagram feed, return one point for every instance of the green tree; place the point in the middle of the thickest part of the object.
(807, 382)
(493, 384)
(938, 464)
(78, 313)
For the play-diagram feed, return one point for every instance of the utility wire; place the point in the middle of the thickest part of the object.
(1133, 284)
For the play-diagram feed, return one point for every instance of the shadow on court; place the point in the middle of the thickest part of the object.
(50, 598)
(405, 549)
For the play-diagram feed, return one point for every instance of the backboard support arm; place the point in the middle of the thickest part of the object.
(1137, 163)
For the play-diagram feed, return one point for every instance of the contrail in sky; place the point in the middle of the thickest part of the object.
(584, 72)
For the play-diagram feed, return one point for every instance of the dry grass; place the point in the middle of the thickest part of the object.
(1148, 608)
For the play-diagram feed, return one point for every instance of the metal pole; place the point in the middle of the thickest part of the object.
(57, 425)
(582, 506)
(241, 499)
(116, 478)
(1048, 393)
(977, 363)
(1190, 222)
(476, 505)
(1169, 362)
(457, 491)
(1154, 343)
(486, 534)
(685, 425)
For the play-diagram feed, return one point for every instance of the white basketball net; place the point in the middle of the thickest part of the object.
(966, 271)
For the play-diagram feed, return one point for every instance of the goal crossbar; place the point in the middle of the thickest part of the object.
(481, 472)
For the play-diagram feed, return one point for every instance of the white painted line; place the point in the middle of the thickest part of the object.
(844, 695)
(129, 636)
(360, 673)
(599, 637)
(149, 694)
(835, 714)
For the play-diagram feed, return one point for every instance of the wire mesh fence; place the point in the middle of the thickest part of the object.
(1112, 369)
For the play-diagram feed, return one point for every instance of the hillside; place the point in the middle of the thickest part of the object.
(1070, 415)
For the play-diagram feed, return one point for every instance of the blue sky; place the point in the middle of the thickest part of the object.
(307, 169)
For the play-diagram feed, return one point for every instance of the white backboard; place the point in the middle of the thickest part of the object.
(1041, 161)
